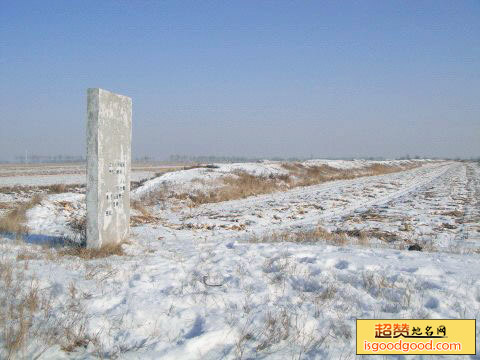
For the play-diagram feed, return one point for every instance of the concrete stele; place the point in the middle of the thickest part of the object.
(109, 134)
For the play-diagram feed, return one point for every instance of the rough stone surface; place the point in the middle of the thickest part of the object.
(109, 133)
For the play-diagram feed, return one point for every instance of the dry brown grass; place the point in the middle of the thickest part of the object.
(239, 186)
(18, 305)
(372, 215)
(279, 326)
(79, 227)
(137, 205)
(364, 235)
(361, 236)
(312, 175)
(27, 255)
(453, 213)
(145, 216)
(448, 226)
(92, 253)
(26, 313)
(5, 205)
(159, 196)
(57, 188)
(73, 250)
(48, 189)
(242, 184)
(14, 220)
(318, 234)
(136, 220)
(276, 328)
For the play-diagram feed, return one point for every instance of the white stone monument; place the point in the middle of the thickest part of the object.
(109, 134)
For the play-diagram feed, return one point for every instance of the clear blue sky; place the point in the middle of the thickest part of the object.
(249, 78)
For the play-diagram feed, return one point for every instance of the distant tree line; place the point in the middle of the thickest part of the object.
(240, 159)
(223, 159)
(212, 158)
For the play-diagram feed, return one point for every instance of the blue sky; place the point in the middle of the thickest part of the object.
(247, 78)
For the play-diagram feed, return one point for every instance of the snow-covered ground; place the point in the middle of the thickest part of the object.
(196, 283)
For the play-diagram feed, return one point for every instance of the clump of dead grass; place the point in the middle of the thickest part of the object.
(27, 255)
(18, 304)
(137, 205)
(79, 227)
(453, 213)
(158, 196)
(42, 189)
(92, 253)
(364, 235)
(26, 313)
(337, 237)
(57, 188)
(145, 216)
(317, 234)
(279, 327)
(14, 220)
(241, 185)
(5, 205)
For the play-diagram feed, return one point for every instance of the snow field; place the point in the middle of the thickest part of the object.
(194, 286)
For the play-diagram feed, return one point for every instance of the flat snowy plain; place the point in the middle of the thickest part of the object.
(48, 174)
(215, 282)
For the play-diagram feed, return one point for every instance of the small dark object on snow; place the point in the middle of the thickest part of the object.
(212, 166)
(415, 247)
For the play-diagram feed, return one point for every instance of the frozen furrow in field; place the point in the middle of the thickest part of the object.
(441, 214)
(365, 203)
(402, 191)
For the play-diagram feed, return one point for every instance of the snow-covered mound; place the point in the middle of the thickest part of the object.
(204, 178)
